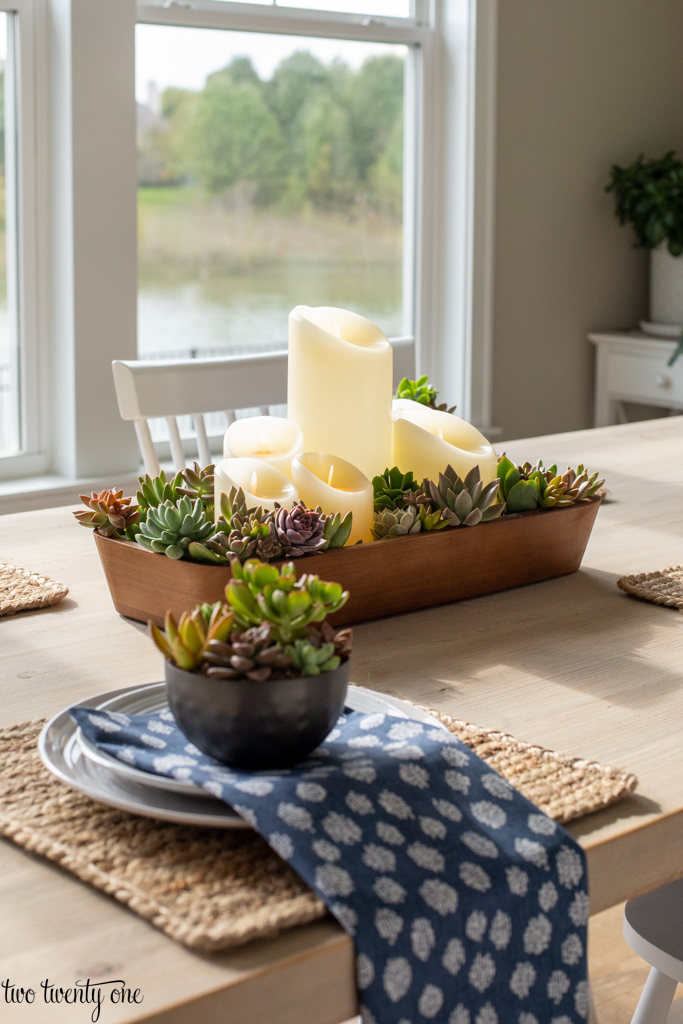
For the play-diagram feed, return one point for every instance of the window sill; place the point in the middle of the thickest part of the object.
(51, 490)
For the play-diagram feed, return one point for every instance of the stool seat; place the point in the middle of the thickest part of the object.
(653, 928)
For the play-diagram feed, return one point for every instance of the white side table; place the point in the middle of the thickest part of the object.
(632, 367)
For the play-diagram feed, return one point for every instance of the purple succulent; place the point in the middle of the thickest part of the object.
(300, 530)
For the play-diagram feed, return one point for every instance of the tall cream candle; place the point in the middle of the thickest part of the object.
(336, 486)
(425, 441)
(270, 439)
(340, 385)
(262, 483)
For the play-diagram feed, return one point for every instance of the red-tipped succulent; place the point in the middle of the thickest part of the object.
(109, 513)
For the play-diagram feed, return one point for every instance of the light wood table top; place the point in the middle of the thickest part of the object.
(572, 664)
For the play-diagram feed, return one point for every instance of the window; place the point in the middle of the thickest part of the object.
(270, 174)
(20, 415)
(228, 241)
(10, 433)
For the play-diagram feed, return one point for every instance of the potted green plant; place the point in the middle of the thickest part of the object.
(258, 682)
(648, 195)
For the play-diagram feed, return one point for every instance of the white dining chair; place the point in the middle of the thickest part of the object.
(167, 389)
(653, 928)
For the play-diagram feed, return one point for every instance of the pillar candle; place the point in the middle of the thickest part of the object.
(336, 486)
(425, 441)
(340, 385)
(270, 439)
(262, 483)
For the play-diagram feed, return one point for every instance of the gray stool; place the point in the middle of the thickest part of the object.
(653, 928)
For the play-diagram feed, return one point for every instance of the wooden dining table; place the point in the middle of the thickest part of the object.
(572, 664)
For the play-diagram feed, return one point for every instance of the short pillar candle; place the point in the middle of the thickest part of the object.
(270, 439)
(262, 483)
(426, 441)
(336, 486)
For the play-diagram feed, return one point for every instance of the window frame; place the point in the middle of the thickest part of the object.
(24, 129)
(449, 102)
(77, 209)
(276, 20)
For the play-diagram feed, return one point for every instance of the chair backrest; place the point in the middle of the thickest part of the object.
(148, 389)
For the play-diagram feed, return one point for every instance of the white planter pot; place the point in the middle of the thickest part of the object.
(666, 287)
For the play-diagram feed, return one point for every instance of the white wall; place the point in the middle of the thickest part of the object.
(582, 84)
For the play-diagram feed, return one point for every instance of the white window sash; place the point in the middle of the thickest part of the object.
(23, 127)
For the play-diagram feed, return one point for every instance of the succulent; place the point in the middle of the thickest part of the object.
(186, 642)
(431, 519)
(300, 530)
(109, 513)
(253, 654)
(395, 524)
(521, 487)
(172, 527)
(232, 504)
(311, 660)
(263, 593)
(248, 533)
(199, 483)
(269, 548)
(527, 487)
(325, 633)
(154, 491)
(421, 391)
(336, 530)
(392, 488)
(466, 502)
(420, 501)
(574, 485)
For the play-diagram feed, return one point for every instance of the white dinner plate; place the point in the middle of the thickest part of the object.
(67, 753)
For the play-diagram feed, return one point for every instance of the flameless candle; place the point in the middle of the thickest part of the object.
(425, 441)
(336, 486)
(262, 483)
(270, 439)
(340, 385)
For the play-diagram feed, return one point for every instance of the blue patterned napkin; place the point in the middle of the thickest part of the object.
(467, 905)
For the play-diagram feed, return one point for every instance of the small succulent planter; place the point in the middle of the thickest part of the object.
(384, 578)
(254, 725)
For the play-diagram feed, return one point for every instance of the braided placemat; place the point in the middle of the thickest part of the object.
(662, 587)
(21, 590)
(212, 888)
(563, 787)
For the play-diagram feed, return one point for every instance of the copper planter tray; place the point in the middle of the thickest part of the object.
(384, 578)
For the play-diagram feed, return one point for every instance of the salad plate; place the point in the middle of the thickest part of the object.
(72, 758)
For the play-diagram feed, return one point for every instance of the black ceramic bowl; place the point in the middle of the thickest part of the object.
(256, 725)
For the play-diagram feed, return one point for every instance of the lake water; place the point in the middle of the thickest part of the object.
(241, 313)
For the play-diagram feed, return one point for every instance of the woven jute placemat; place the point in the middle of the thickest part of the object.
(22, 590)
(563, 787)
(662, 587)
(211, 888)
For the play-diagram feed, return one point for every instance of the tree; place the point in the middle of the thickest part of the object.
(229, 135)
(374, 99)
(294, 81)
(326, 149)
(386, 175)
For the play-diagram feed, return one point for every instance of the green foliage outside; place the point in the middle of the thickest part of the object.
(313, 137)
